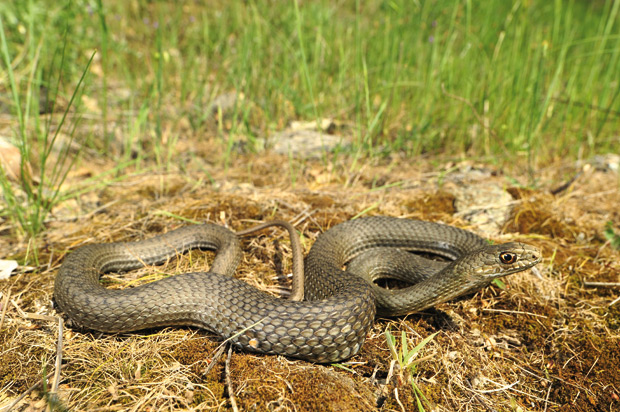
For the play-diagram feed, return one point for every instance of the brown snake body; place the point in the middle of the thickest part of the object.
(339, 307)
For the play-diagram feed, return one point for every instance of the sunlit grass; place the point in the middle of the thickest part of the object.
(535, 79)
(38, 137)
(505, 81)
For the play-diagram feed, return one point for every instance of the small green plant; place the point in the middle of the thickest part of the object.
(29, 201)
(407, 362)
(612, 236)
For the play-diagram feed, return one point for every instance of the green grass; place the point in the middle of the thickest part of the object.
(407, 363)
(504, 80)
(38, 137)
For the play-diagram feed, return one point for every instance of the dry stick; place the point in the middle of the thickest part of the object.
(518, 312)
(26, 393)
(547, 397)
(231, 392)
(566, 185)
(5, 305)
(59, 347)
(398, 400)
(602, 284)
(23, 395)
(216, 357)
(383, 393)
(479, 398)
(56, 380)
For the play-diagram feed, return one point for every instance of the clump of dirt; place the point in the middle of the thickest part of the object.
(537, 214)
(267, 382)
(434, 204)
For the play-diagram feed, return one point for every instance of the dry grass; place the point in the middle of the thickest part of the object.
(544, 343)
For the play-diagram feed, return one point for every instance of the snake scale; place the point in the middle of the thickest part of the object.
(339, 306)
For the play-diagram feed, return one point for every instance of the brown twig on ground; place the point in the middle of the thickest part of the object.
(27, 392)
(382, 395)
(479, 398)
(59, 347)
(23, 395)
(231, 391)
(602, 284)
(216, 357)
(547, 397)
(5, 305)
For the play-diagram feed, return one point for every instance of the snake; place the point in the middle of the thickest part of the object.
(331, 311)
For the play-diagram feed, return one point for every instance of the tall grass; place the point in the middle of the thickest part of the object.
(38, 138)
(503, 79)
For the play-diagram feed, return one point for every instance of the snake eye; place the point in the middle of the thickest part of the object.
(507, 257)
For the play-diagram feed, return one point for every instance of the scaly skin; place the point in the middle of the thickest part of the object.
(329, 326)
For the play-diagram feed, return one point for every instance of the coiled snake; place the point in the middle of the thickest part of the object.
(339, 307)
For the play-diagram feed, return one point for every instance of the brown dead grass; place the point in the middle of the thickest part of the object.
(543, 343)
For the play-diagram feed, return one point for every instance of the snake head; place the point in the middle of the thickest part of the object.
(495, 261)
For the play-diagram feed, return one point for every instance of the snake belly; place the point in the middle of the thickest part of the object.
(328, 326)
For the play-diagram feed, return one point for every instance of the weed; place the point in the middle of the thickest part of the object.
(407, 362)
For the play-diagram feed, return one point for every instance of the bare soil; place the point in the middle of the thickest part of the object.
(547, 341)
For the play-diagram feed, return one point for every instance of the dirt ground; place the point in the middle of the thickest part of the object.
(548, 341)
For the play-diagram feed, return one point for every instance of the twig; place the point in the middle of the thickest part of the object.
(518, 312)
(59, 347)
(614, 302)
(547, 397)
(216, 357)
(398, 400)
(231, 392)
(536, 273)
(5, 305)
(503, 388)
(592, 367)
(27, 392)
(602, 284)
(477, 397)
(383, 393)
(23, 395)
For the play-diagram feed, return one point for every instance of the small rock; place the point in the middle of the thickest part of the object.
(304, 143)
